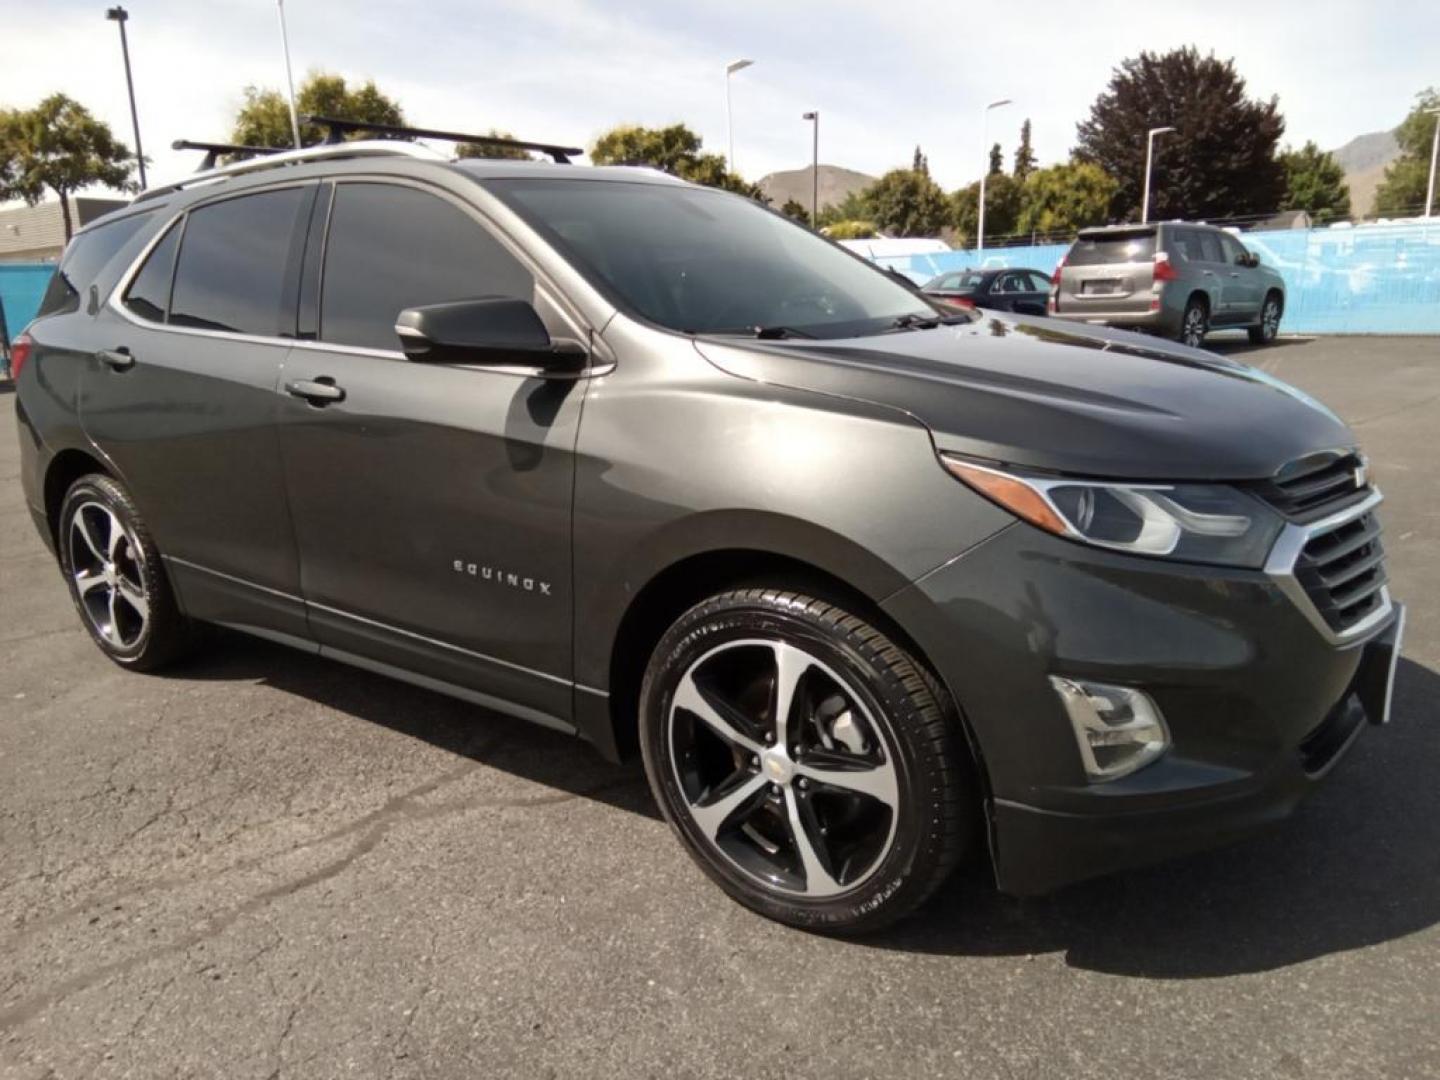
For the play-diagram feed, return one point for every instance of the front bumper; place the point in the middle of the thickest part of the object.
(1260, 706)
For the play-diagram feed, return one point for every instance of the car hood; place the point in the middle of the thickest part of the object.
(1076, 399)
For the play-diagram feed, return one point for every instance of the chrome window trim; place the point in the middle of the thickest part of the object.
(562, 306)
(1285, 554)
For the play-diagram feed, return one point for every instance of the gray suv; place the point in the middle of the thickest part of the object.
(871, 586)
(1174, 278)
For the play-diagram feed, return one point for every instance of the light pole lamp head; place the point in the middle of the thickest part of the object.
(810, 116)
(737, 65)
(117, 14)
(1160, 131)
(997, 104)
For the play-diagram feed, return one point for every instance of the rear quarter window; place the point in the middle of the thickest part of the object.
(1112, 249)
(84, 258)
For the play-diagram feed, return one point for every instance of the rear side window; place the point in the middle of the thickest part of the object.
(1183, 245)
(149, 293)
(231, 271)
(84, 259)
(390, 247)
(1209, 246)
(1112, 249)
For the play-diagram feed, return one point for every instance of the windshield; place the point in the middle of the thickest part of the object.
(703, 261)
(1112, 248)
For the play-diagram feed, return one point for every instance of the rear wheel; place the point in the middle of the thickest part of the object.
(808, 763)
(1195, 322)
(1269, 325)
(115, 577)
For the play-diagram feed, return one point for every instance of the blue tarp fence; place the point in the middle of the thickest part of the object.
(21, 286)
(1369, 279)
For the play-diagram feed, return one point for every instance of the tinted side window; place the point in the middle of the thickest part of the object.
(390, 247)
(1039, 282)
(231, 272)
(1183, 245)
(1234, 250)
(84, 259)
(1209, 246)
(149, 293)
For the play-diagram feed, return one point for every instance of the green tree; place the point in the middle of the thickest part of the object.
(920, 163)
(1315, 182)
(853, 207)
(906, 202)
(264, 118)
(997, 161)
(58, 146)
(794, 208)
(1064, 198)
(851, 230)
(1024, 153)
(1002, 209)
(1218, 162)
(674, 149)
(1402, 192)
(485, 150)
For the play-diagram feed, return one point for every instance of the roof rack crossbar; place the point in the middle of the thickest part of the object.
(213, 150)
(338, 128)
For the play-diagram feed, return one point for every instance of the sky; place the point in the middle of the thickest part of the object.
(884, 76)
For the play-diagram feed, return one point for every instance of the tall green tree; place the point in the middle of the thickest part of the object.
(674, 149)
(486, 150)
(1402, 192)
(997, 161)
(1315, 183)
(264, 118)
(907, 202)
(1064, 198)
(1218, 162)
(1002, 209)
(59, 146)
(1024, 153)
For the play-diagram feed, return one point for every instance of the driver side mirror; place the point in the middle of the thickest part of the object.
(491, 331)
(1250, 259)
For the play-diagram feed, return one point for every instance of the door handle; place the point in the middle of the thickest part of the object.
(318, 391)
(1234, 273)
(116, 359)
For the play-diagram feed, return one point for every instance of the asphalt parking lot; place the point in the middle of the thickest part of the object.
(264, 864)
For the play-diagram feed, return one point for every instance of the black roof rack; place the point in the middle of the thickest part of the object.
(214, 149)
(338, 128)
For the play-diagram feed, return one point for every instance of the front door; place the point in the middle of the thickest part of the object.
(432, 503)
(181, 398)
(1241, 283)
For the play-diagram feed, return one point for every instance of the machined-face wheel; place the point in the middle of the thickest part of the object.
(1192, 328)
(783, 767)
(107, 568)
(1270, 319)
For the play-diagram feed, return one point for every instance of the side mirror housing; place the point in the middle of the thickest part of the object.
(490, 331)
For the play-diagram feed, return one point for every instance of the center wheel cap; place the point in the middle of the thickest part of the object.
(777, 766)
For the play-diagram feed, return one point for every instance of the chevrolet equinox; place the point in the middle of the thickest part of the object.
(871, 585)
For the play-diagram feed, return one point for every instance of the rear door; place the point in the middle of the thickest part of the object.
(181, 398)
(1239, 283)
(432, 502)
(1109, 273)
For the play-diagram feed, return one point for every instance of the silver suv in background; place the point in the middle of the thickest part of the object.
(1172, 278)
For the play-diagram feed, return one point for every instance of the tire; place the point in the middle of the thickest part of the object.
(871, 768)
(1269, 326)
(1194, 322)
(116, 580)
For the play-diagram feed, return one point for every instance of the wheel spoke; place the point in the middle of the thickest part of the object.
(134, 596)
(82, 526)
(877, 782)
(85, 581)
(112, 631)
(711, 816)
(819, 881)
(117, 534)
(790, 664)
(689, 697)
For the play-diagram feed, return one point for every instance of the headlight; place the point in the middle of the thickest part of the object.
(1209, 523)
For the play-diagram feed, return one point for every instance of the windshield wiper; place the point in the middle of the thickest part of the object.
(915, 320)
(773, 333)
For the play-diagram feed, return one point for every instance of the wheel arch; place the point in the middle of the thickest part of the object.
(64, 469)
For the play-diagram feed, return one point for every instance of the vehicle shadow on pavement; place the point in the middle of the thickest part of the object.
(526, 750)
(1358, 865)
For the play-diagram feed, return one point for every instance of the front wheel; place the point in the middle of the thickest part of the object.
(1269, 326)
(810, 765)
(1194, 323)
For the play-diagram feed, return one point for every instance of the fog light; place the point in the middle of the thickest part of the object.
(1118, 729)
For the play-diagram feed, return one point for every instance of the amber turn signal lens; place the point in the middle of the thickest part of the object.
(1014, 495)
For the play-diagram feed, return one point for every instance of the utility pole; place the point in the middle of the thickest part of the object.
(289, 78)
(985, 140)
(1434, 153)
(120, 15)
(814, 118)
(1149, 156)
(730, 69)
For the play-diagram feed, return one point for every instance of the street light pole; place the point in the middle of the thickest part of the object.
(730, 69)
(984, 172)
(1149, 154)
(289, 77)
(1434, 153)
(120, 15)
(814, 118)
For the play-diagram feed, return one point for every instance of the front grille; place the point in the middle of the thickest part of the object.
(1343, 571)
(1311, 487)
